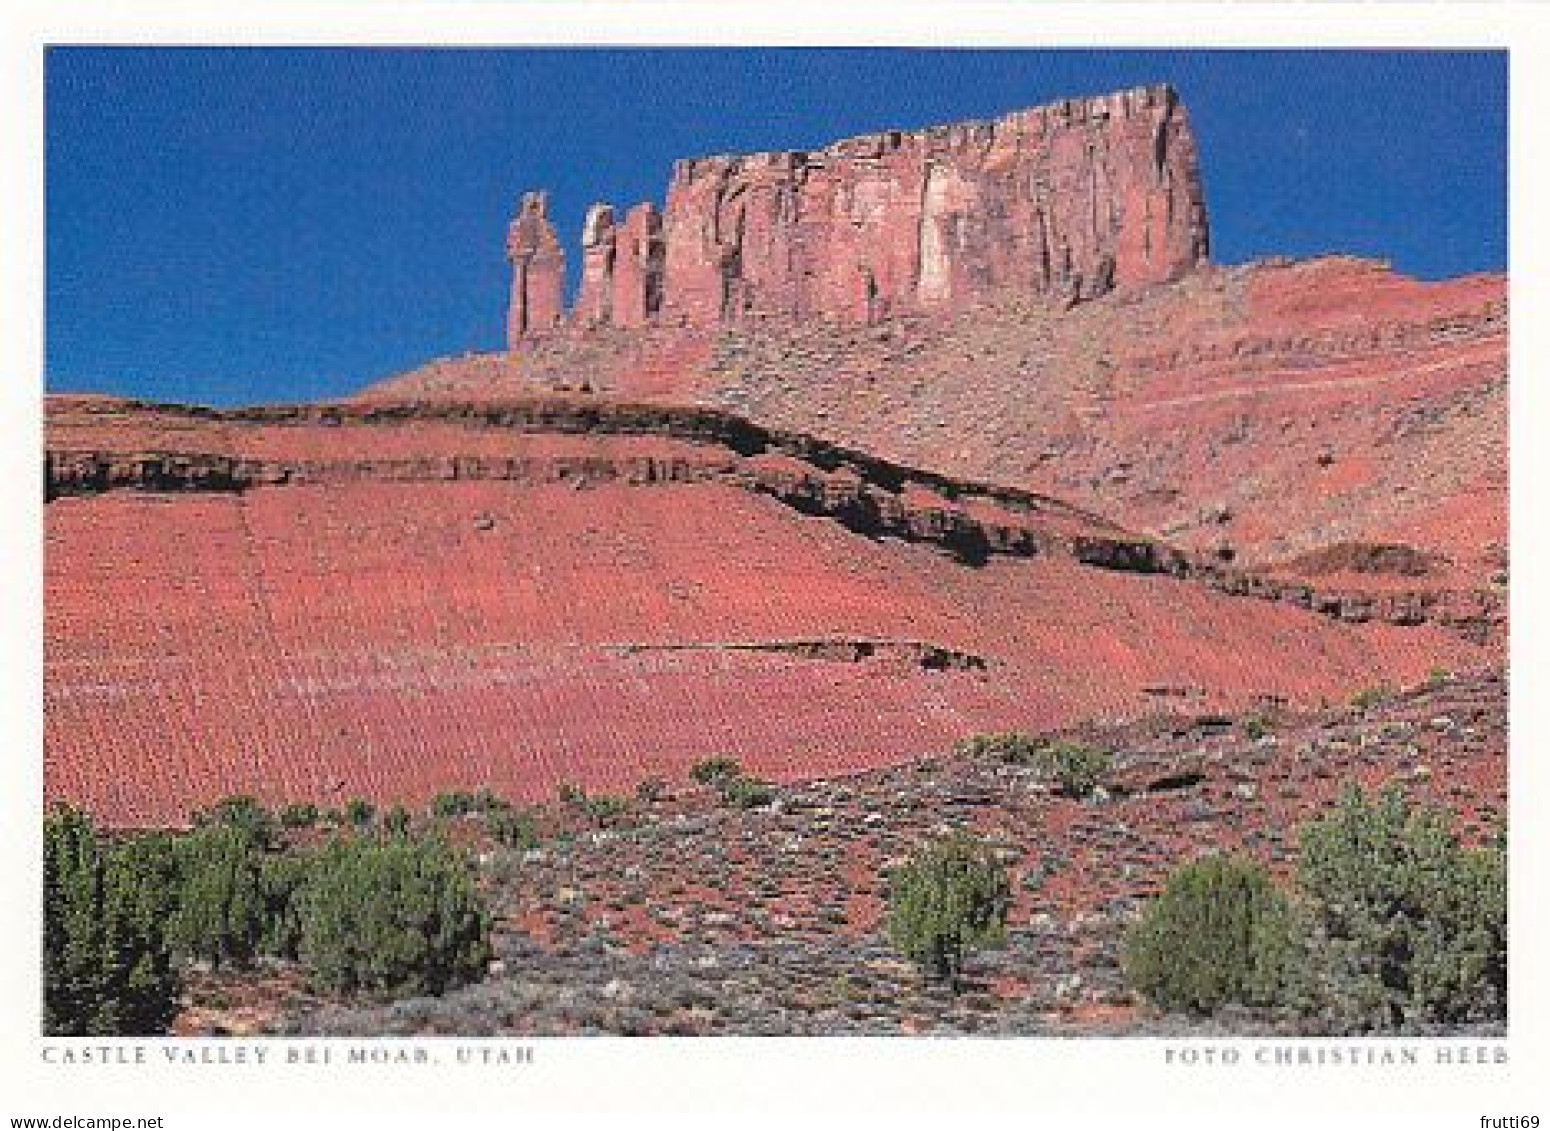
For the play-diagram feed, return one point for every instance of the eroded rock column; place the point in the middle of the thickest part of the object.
(537, 271)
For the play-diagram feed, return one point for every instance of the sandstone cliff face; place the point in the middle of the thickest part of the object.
(1075, 198)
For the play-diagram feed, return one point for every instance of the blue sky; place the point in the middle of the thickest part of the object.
(234, 225)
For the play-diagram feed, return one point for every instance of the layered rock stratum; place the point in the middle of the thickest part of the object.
(1266, 411)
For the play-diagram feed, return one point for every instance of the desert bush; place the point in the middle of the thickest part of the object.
(107, 968)
(745, 793)
(1076, 769)
(511, 829)
(237, 883)
(1010, 747)
(1407, 926)
(1256, 726)
(281, 878)
(951, 897)
(453, 804)
(571, 795)
(1219, 933)
(1393, 925)
(359, 812)
(245, 814)
(1369, 697)
(392, 916)
(709, 771)
(397, 820)
(301, 815)
(222, 907)
(604, 809)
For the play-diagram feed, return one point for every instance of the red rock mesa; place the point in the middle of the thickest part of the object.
(1078, 197)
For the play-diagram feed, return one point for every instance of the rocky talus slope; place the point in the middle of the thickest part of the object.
(1263, 413)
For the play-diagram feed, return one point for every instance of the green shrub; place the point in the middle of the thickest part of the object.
(1407, 925)
(397, 821)
(1369, 697)
(1076, 769)
(1394, 924)
(281, 878)
(1010, 747)
(950, 898)
(453, 804)
(514, 830)
(1220, 933)
(300, 816)
(572, 796)
(222, 907)
(359, 812)
(243, 813)
(745, 793)
(605, 809)
(1256, 726)
(709, 771)
(392, 916)
(107, 968)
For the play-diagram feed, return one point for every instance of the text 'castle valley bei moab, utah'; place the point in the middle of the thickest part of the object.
(837, 458)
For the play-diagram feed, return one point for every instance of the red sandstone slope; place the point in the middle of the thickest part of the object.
(381, 605)
(1278, 409)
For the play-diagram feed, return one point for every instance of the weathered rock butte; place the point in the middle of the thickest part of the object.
(1078, 198)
